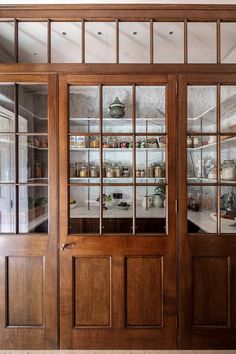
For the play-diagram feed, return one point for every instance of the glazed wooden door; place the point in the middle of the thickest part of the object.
(28, 212)
(207, 211)
(118, 252)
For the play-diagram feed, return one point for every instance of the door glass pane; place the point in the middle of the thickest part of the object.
(6, 42)
(33, 108)
(100, 42)
(228, 159)
(33, 159)
(117, 109)
(32, 41)
(134, 42)
(228, 209)
(151, 209)
(228, 109)
(202, 209)
(66, 42)
(228, 42)
(84, 159)
(33, 209)
(7, 209)
(150, 109)
(201, 109)
(150, 159)
(7, 158)
(168, 42)
(202, 159)
(117, 159)
(7, 109)
(84, 209)
(84, 109)
(117, 209)
(201, 42)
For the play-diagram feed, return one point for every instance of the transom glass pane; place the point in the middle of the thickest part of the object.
(6, 42)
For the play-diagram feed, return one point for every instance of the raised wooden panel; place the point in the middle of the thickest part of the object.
(2, 292)
(144, 291)
(92, 291)
(25, 291)
(210, 291)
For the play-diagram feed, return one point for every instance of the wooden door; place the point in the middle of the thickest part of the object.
(207, 211)
(28, 212)
(118, 252)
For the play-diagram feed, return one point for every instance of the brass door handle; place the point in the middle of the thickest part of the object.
(68, 245)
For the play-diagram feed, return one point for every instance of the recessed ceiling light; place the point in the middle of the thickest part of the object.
(35, 53)
(135, 33)
(171, 32)
(99, 33)
(64, 33)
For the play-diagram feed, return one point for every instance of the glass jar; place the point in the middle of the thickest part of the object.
(72, 170)
(37, 170)
(125, 171)
(113, 142)
(142, 173)
(83, 171)
(94, 142)
(110, 172)
(158, 171)
(117, 171)
(152, 142)
(189, 142)
(228, 170)
(150, 170)
(94, 172)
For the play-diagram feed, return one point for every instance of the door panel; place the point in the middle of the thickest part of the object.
(118, 266)
(28, 248)
(207, 317)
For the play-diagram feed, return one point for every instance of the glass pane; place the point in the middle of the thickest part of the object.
(228, 42)
(32, 41)
(33, 209)
(33, 108)
(7, 209)
(150, 109)
(6, 42)
(150, 159)
(117, 159)
(117, 109)
(201, 109)
(134, 42)
(7, 158)
(84, 210)
(202, 209)
(84, 109)
(33, 159)
(228, 209)
(151, 209)
(100, 42)
(66, 42)
(84, 159)
(202, 159)
(117, 209)
(228, 109)
(168, 42)
(201, 42)
(7, 109)
(228, 159)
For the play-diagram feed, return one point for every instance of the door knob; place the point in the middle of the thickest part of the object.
(68, 245)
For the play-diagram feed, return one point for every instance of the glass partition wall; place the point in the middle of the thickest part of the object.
(117, 159)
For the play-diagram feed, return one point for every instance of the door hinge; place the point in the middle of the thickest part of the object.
(176, 206)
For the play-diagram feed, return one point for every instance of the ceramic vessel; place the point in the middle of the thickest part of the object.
(117, 109)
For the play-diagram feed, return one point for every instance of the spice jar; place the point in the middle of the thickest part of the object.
(117, 171)
(142, 173)
(158, 171)
(94, 142)
(37, 170)
(113, 142)
(189, 142)
(105, 143)
(228, 170)
(152, 142)
(72, 170)
(83, 171)
(150, 170)
(125, 171)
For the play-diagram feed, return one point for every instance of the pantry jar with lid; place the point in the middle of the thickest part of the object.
(228, 170)
(158, 171)
(125, 171)
(94, 172)
(83, 171)
(110, 172)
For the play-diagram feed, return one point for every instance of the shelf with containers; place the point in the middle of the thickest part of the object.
(117, 150)
(211, 159)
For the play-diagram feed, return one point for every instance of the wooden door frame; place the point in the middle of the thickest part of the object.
(200, 245)
(120, 247)
(41, 245)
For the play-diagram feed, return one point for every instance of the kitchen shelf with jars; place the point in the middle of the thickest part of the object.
(211, 159)
(23, 158)
(117, 148)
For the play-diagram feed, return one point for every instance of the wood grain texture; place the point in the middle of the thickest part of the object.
(210, 291)
(144, 291)
(92, 291)
(25, 291)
